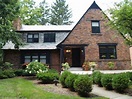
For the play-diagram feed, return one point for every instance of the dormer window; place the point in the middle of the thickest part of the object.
(33, 38)
(49, 37)
(95, 26)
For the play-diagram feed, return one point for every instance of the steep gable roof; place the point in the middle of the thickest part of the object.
(93, 6)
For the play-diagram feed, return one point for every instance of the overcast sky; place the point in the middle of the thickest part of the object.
(79, 7)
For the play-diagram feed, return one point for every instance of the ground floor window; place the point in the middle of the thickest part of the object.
(107, 51)
(32, 56)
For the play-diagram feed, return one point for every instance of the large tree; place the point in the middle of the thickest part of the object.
(60, 13)
(44, 19)
(9, 11)
(121, 19)
(29, 14)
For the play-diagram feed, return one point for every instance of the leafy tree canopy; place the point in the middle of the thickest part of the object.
(60, 13)
(29, 14)
(9, 11)
(121, 18)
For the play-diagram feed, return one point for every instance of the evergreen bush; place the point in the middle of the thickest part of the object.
(63, 77)
(97, 78)
(70, 81)
(48, 77)
(120, 82)
(106, 81)
(83, 85)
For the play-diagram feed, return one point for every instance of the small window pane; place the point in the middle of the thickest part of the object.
(35, 35)
(27, 59)
(34, 58)
(42, 56)
(43, 61)
(30, 36)
(95, 24)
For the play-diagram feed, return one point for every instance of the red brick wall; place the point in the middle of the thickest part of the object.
(12, 56)
(55, 59)
(82, 34)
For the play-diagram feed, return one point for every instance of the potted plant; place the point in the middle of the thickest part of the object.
(85, 66)
(92, 65)
(65, 66)
(111, 65)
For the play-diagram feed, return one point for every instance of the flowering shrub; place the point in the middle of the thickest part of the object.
(65, 66)
(35, 67)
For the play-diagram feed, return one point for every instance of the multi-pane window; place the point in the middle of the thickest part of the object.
(32, 57)
(95, 26)
(49, 37)
(107, 52)
(33, 38)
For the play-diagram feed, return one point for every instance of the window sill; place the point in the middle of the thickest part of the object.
(98, 34)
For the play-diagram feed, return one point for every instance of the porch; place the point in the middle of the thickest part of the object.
(74, 54)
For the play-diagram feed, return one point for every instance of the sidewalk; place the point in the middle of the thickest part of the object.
(108, 94)
(103, 71)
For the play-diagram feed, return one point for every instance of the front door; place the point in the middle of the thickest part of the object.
(76, 57)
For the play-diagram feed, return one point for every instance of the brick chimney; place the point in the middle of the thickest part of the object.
(17, 24)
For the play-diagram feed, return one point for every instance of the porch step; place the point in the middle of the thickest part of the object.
(76, 69)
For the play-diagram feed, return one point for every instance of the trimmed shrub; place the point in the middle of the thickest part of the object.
(9, 73)
(120, 82)
(48, 77)
(63, 78)
(83, 85)
(35, 67)
(19, 72)
(106, 81)
(70, 81)
(94, 75)
(97, 78)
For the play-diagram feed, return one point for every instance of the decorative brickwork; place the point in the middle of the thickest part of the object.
(81, 34)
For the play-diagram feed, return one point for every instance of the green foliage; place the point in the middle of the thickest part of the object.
(30, 15)
(121, 18)
(120, 82)
(60, 13)
(97, 78)
(129, 75)
(106, 81)
(44, 19)
(65, 66)
(19, 72)
(63, 77)
(8, 13)
(9, 73)
(6, 65)
(35, 67)
(111, 65)
(70, 81)
(48, 77)
(83, 85)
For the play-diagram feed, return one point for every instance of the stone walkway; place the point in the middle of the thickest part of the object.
(109, 94)
(101, 90)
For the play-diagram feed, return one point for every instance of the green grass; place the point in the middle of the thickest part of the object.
(19, 88)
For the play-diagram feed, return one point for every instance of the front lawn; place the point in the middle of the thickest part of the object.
(15, 88)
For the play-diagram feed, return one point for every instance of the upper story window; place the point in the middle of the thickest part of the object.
(107, 51)
(95, 26)
(49, 37)
(33, 38)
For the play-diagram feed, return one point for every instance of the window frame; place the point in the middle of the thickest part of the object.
(109, 52)
(95, 29)
(38, 54)
(49, 38)
(33, 39)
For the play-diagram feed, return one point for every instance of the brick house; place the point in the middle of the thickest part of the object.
(91, 39)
